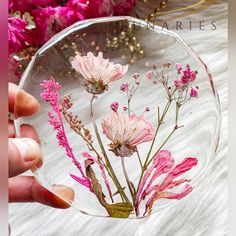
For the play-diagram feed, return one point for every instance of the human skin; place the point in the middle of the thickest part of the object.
(24, 154)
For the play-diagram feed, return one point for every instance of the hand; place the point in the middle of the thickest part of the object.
(25, 154)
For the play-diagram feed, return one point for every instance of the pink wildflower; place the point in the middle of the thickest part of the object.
(149, 75)
(193, 93)
(178, 84)
(97, 72)
(51, 94)
(125, 108)
(193, 75)
(179, 66)
(17, 34)
(114, 106)
(50, 21)
(126, 132)
(164, 163)
(124, 87)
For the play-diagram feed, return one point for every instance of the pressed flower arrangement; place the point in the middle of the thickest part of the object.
(130, 136)
(126, 131)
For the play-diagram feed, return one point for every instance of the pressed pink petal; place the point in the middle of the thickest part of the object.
(184, 166)
(169, 195)
(162, 163)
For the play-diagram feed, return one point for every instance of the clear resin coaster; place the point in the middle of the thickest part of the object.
(129, 116)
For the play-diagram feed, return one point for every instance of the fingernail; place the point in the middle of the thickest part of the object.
(25, 104)
(64, 192)
(29, 150)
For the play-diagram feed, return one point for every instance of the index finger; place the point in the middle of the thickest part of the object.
(20, 102)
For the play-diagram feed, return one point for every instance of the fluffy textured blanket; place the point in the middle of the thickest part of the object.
(203, 213)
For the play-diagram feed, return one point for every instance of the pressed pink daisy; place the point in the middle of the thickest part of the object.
(126, 132)
(97, 72)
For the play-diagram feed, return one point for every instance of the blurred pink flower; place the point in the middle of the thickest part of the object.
(97, 71)
(29, 5)
(17, 34)
(50, 21)
(178, 84)
(124, 87)
(80, 7)
(193, 93)
(114, 106)
(126, 132)
(149, 74)
(98, 8)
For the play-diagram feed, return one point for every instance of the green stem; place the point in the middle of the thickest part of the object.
(160, 121)
(127, 178)
(139, 158)
(169, 136)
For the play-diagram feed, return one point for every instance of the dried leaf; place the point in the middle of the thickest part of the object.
(117, 210)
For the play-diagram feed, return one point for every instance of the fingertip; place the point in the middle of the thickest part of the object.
(66, 194)
(25, 104)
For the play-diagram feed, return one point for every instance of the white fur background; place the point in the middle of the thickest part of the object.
(203, 213)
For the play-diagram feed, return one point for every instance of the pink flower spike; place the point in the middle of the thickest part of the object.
(193, 93)
(50, 94)
(149, 75)
(124, 87)
(114, 106)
